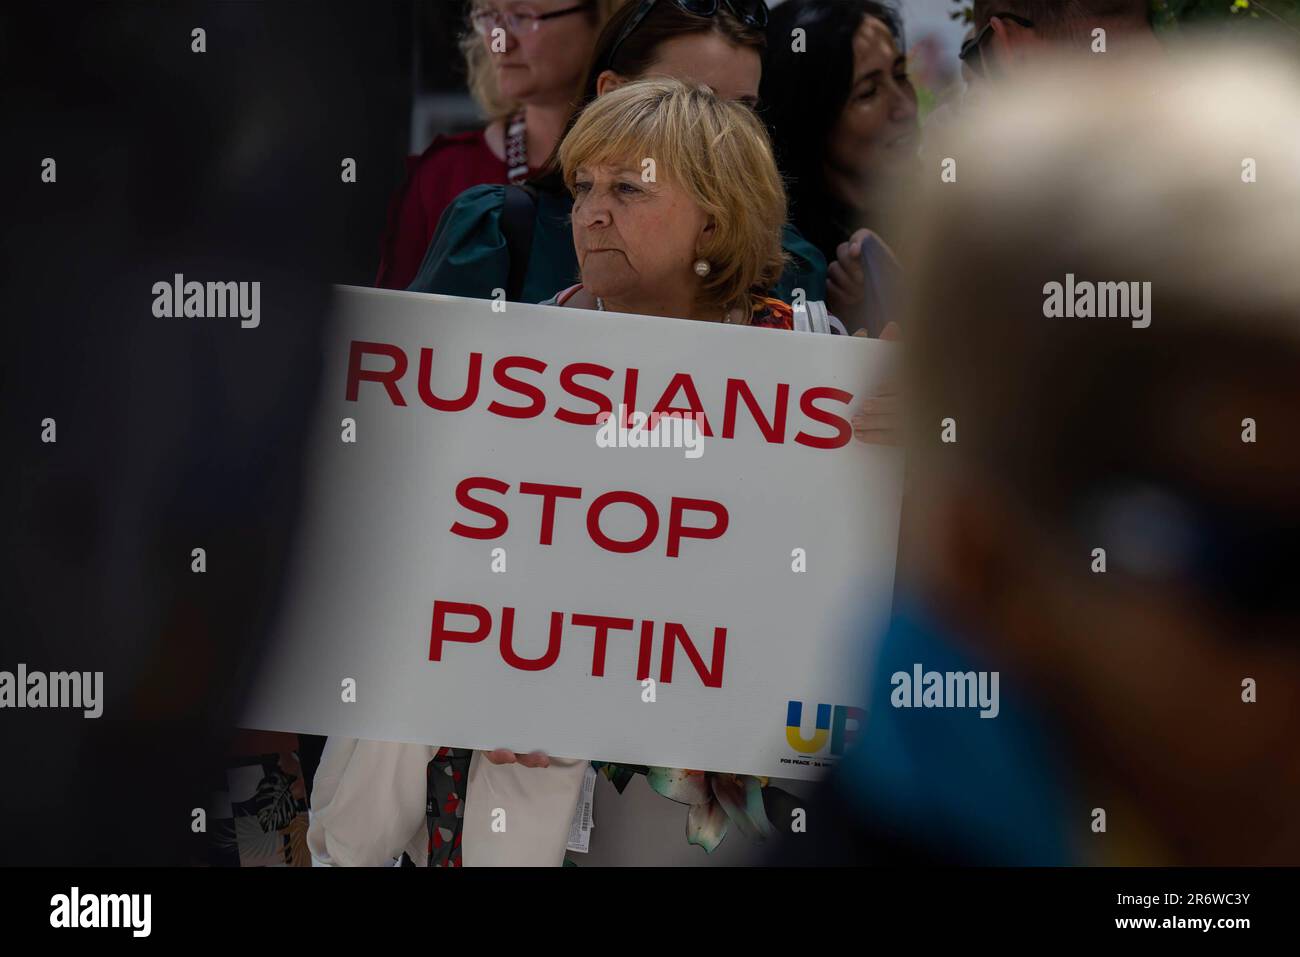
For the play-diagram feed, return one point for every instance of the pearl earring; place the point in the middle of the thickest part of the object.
(702, 268)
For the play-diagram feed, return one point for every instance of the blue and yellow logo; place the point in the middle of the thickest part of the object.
(831, 723)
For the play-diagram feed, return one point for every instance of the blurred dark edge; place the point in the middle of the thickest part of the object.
(172, 433)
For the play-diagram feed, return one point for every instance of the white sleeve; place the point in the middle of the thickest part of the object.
(532, 808)
(367, 801)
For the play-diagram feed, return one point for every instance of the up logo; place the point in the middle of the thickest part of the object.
(839, 723)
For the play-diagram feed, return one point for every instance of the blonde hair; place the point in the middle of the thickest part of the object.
(718, 152)
(481, 76)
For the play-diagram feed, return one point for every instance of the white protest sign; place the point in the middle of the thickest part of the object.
(478, 568)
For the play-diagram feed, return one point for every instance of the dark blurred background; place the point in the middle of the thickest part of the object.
(171, 433)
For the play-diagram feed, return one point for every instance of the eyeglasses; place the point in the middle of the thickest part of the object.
(517, 22)
(972, 51)
(752, 13)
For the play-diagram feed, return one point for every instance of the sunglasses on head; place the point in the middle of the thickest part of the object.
(752, 13)
(972, 51)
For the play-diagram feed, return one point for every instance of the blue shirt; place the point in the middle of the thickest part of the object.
(993, 790)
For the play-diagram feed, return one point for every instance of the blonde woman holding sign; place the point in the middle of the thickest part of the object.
(695, 234)
(678, 212)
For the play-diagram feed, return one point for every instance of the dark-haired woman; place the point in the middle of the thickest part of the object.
(842, 112)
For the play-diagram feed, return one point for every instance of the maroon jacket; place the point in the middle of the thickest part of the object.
(451, 165)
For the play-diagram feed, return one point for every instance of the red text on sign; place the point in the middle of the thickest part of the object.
(601, 626)
(687, 517)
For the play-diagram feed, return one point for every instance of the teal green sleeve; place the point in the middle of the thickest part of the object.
(806, 269)
(467, 255)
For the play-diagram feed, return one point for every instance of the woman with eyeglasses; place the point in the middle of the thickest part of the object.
(517, 239)
(524, 61)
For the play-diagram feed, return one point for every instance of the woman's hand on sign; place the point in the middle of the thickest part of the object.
(879, 421)
(533, 759)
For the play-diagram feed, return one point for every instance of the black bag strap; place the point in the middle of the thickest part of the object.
(518, 217)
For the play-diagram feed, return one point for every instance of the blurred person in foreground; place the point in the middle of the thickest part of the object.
(1160, 690)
